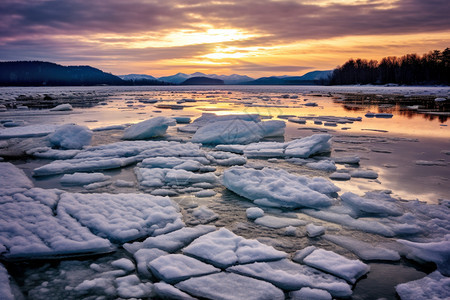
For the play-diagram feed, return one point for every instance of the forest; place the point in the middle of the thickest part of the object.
(432, 68)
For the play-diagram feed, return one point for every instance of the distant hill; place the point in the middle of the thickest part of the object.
(227, 79)
(202, 81)
(37, 73)
(310, 78)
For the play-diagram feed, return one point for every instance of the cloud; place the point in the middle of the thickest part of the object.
(89, 31)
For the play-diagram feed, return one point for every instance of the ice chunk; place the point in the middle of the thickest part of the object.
(223, 248)
(207, 118)
(62, 107)
(278, 222)
(343, 219)
(71, 136)
(175, 240)
(436, 251)
(433, 286)
(174, 268)
(336, 264)
(123, 183)
(13, 177)
(323, 165)
(167, 291)
(131, 287)
(278, 188)
(368, 174)
(124, 264)
(182, 120)
(226, 159)
(29, 228)
(123, 217)
(237, 132)
(5, 288)
(159, 177)
(307, 293)
(291, 276)
(314, 230)
(148, 129)
(229, 286)
(27, 131)
(79, 165)
(305, 147)
(340, 176)
(254, 212)
(364, 250)
(46, 152)
(346, 160)
(205, 193)
(301, 254)
(373, 204)
(83, 178)
(204, 214)
(143, 257)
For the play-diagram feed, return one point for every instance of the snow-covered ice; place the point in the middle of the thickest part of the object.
(13, 177)
(314, 230)
(62, 107)
(71, 136)
(254, 212)
(83, 178)
(364, 250)
(123, 217)
(433, 286)
(131, 287)
(174, 268)
(336, 264)
(278, 222)
(237, 132)
(27, 131)
(148, 129)
(5, 287)
(223, 248)
(307, 293)
(229, 286)
(278, 188)
(167, 291)
(291, 276)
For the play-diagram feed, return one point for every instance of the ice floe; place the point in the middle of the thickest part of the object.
(278, 188)
(167, 291)
(70, 136)
(83, 178)
(291, 276)
(379, 204)
(5, 287)
(278, 222)
(148, 129)
(433, 286)
(122, 217)
(314, 230)
(364, 250)
(156, 177)
(229, 286)
(307, 293)
(62, 107)
(436, 251)
(132, 287)
(254, 212)
(172, 241)
(336, 264)
(13, 177)
(27, 131)
(223, 248)
(174, 268)
(237, 132)
(31, 229)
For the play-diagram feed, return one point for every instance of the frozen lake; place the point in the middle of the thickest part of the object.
(292, 190)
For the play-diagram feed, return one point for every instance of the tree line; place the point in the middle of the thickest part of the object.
(411, 69)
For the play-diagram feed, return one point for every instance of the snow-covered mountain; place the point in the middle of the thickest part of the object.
(134, 77)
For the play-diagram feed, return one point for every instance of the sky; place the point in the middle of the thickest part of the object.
(253, 37)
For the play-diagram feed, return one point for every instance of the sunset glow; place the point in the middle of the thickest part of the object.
(266, 38)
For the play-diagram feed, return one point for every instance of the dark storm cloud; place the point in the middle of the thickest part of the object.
(285, 20)
(36, 29)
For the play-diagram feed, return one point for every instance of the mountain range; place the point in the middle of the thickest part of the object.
(35, 73)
